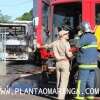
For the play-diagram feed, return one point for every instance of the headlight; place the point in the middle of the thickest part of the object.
(29, 49)
(23, 42)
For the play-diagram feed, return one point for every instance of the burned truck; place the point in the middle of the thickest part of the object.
(18, 39)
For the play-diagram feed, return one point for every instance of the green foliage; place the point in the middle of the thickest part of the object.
(4, 18)
(26, 16)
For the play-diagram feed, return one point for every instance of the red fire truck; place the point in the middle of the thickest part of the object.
(50, 14)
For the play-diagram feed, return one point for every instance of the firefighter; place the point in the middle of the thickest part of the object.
(87, 63)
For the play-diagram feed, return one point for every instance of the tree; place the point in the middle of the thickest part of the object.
(26, 16)
(4, 18)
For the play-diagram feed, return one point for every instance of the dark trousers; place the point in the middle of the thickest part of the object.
(85, 83)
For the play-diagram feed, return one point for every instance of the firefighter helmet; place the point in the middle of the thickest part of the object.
(85, 26)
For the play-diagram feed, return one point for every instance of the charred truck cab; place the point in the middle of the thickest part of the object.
(51, 14)
(17, 40)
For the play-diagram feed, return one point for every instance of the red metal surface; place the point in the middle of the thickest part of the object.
(53, 2)
(39, 27)
(66, 1)
(97, 1)
(50, 19)
(43, 52)
(88, 11)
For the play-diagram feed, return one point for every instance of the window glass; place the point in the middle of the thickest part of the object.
(16, 31)
(64, 16)
(35, 6)
(98, 14)
(45, 34)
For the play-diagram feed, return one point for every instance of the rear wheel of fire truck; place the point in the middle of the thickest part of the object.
(97, 80)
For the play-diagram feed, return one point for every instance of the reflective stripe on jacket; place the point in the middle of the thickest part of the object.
(88, 53)
(83, 66)
(89, 46)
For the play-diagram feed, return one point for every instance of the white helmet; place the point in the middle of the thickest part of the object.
(85, 26)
